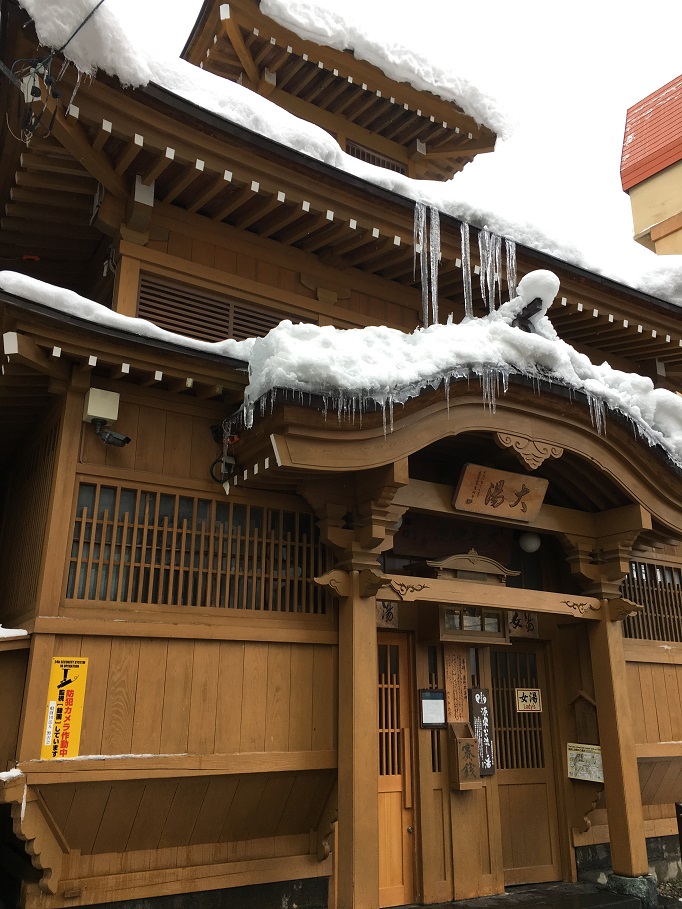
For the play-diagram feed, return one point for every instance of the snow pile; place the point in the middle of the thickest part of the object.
(9, 633)
(82, 308)
(377, 364)
(353, 367)
(12, 774)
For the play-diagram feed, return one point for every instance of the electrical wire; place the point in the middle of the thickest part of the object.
(87, 18)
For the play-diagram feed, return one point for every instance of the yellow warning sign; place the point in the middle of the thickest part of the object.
(64, 711)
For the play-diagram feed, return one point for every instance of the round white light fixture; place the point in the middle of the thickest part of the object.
(529, 542)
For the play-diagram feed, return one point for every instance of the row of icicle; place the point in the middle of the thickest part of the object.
(427, 247)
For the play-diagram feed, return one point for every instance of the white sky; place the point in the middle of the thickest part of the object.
(565, 74)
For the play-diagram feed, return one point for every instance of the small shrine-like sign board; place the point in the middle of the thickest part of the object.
(483, 490)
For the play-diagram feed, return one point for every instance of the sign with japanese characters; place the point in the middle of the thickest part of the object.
(483, 490)
(64, 710)
(584, 762)
(522, 624)
(479, 709)
(528, 700)
(456, 666)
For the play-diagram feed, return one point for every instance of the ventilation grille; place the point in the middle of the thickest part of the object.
(202, 314)
(364, 154)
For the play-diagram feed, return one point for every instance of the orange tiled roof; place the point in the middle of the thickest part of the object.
(653, 135)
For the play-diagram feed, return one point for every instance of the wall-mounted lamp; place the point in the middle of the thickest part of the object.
(101, 409)
(530, 542)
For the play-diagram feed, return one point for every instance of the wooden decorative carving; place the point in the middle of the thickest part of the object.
(585, 799)
(44, 844)
(370, 582)
(404, 590)
(620, 609)
(337, 581)
(580, 606)
(530, 452)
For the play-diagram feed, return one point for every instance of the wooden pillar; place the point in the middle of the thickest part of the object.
(616, 735)
(358, 828)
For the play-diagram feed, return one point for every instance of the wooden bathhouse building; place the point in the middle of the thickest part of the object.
(408, 658)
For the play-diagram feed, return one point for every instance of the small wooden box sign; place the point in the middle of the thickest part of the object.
(463, 759)
(528, 700)
(483, 490)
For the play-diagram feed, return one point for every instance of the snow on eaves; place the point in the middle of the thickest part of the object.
(10, 634)
(332, 29)
(387, 366)
(67, 301)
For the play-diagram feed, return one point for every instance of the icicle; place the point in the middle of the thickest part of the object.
(597, 413)
(434, 259)
(466, 270)
(446, 389)
(510, 248)
(421, 242)
(483, 242)
(390, 412)
(23, 802)
(382, 404)
(495, 271)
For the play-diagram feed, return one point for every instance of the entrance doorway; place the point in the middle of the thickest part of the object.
(525, 768)
(396, 810)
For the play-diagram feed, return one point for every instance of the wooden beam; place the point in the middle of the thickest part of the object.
(138, 767)
(184, 181)
(157, 167)
(20, 348)
(408, 589)
(233, 32)
(73, 137)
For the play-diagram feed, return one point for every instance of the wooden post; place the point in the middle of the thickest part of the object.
(358, 828)
(621, 779)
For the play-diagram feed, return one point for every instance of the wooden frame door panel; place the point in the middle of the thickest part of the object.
(525, 768)
(396, 812)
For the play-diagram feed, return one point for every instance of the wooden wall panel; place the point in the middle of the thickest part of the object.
(655, 693)
(173, 442)
(151, 675)
(179, 696)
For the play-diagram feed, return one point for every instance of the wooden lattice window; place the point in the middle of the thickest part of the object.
(518, 736)
(658, 588)
(132, 545)
(203, 314)
(390, 730)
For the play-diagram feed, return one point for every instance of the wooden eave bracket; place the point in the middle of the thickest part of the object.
(234, 35)
(19, 348)
(72, 136)
(33, 824)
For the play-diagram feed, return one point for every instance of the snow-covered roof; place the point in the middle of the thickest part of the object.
(109, 43)
(352, 367)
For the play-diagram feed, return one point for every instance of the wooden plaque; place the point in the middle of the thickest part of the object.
(479, 701)
(456, 662)
(483, 490)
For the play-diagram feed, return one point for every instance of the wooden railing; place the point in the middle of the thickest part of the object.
(658, 588)
(142, 546)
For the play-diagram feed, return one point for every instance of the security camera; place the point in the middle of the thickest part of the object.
(108, 436)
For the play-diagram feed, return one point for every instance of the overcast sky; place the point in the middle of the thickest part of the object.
(564, 72)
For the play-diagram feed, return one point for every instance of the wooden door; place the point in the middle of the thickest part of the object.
(396, 814)
(525, 770)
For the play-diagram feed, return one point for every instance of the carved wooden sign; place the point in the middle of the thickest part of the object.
(483, 490)
(522, 624)
(455, 660)
(528, 700)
